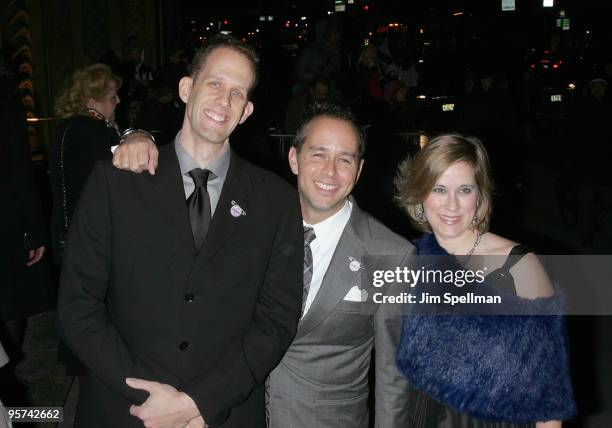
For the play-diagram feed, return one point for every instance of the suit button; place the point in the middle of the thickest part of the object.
(189, 297)
(184, 346)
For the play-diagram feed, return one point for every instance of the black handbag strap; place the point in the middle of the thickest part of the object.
(64, 200)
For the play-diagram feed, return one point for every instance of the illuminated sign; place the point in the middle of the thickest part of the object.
(508, 5)
(565, 24)
(556, 98)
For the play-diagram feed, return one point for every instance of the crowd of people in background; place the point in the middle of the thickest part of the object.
(390, 83)
(384, 82)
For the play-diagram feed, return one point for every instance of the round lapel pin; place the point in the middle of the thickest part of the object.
(236, 210)
(354, 265)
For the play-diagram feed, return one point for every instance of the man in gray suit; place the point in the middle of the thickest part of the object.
(322, 381)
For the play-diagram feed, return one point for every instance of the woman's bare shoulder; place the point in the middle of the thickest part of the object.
(530, 277)
(494, 245)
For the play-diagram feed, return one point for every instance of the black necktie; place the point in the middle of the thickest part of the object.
(309, 236)
(198, 205)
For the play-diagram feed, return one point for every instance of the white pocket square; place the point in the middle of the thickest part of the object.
(356, 294)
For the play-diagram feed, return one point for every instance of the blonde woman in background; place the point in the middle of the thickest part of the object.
(85, 135)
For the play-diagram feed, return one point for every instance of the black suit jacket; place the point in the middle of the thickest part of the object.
(137, 301)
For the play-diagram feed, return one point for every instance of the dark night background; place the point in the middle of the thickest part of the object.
(549, 139)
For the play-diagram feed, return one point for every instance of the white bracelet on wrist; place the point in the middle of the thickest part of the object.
(131, 131)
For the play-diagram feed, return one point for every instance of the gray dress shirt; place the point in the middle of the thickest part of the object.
(218, 168)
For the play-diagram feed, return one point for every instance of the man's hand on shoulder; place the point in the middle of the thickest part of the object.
(166, 407)
(136, 153)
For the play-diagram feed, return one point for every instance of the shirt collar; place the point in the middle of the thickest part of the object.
(331, 226)
(218, 166)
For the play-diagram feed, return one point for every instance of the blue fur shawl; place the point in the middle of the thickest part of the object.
(494, 367)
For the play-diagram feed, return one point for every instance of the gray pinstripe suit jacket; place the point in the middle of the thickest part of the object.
(322, 380)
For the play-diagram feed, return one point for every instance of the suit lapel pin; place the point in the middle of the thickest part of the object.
(236, 210)
(354, 265)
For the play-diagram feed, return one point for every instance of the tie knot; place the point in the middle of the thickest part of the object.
(309, 235)
(199, 177)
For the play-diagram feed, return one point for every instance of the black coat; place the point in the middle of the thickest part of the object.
(137, 301)
(23, 290)
(86, 140)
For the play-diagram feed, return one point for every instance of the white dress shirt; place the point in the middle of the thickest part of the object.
(327, 234)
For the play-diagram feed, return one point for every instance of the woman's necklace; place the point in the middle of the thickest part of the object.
(99, 116)
(464, 259)
(476, 242)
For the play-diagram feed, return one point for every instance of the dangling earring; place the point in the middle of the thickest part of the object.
(475, 218)
(420, 215)
(95, 113)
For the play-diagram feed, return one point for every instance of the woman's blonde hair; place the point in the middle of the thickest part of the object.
(416, 177)
(89, 82)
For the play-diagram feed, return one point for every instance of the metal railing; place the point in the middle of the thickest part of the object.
(284, 141)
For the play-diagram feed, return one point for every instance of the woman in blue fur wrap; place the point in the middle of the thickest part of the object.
(479, 370)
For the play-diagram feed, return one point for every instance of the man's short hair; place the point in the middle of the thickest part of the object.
(224, 41)
(333, 111)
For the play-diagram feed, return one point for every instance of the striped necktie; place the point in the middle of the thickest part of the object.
(309, 236)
